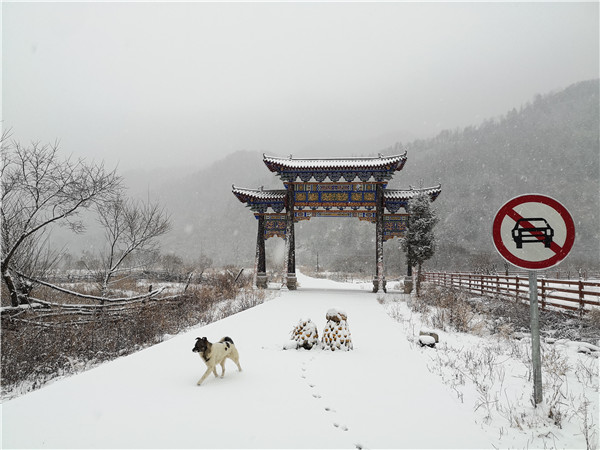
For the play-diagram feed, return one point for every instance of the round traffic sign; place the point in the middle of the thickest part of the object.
(533, 232)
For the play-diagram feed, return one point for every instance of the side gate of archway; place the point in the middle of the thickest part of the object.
(355, 188)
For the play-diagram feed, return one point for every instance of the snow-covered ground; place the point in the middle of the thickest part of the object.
(382, 394)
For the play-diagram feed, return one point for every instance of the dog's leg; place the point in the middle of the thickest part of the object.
(235, 357)
(223, 368)
(207, 373)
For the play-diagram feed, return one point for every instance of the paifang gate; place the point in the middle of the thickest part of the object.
(337, 187)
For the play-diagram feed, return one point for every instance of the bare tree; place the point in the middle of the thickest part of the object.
(39, 189)
(130, 227)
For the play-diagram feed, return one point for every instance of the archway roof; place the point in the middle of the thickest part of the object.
(259, 200)
(380, 168)
(394, 199)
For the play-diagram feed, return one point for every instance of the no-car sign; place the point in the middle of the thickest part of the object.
(533, 232)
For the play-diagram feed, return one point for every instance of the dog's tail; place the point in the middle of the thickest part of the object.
(227, 339)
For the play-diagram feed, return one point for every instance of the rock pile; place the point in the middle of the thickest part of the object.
(336, 335)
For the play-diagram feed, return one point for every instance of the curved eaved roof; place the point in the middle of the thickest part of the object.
(406, 194)
(394, 199)
(381, 168)
(259, 200)
(356, 163)
(245, 194)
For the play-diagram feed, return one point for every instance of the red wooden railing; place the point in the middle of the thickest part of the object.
(573, 295)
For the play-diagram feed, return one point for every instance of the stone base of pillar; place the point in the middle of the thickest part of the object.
(292, 281)
(376, 285)
(261, 280)
(408, 286)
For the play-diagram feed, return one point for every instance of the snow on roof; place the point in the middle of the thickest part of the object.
(244, 194)
(352, 163)
(405, 194)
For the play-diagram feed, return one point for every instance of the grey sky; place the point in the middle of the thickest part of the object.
(154, 84)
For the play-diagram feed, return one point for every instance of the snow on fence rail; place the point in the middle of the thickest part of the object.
(573, 295)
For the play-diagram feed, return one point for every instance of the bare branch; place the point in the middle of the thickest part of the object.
(130, 227)
(38, 189)
(93, 297)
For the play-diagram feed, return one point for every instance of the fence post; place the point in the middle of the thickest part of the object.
(543, 294)
(581, 303)
(482, 278)
(517, 288)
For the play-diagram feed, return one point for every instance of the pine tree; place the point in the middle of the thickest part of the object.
(419, 241)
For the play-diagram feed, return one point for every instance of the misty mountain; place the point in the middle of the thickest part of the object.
(548, 146)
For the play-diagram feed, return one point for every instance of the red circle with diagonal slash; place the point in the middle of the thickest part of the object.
(559, 252)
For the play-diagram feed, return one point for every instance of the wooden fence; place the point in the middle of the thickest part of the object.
(573, 295)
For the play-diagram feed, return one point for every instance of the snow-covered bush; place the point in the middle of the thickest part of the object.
(336, 335)
(492, 371)
(305, 334)
(446, 309)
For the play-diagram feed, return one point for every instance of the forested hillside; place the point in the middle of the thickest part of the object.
(549, 146)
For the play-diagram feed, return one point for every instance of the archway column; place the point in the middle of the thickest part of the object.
(260, 264)
(379, 280)
(289, 269)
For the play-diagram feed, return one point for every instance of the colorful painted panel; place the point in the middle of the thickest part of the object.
(334, 195)
(394, 225)
(275, 225)
(361, 215)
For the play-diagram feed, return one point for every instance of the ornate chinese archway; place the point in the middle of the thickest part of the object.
(355, 187)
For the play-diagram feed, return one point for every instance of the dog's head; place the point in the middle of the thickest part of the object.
(201, 345)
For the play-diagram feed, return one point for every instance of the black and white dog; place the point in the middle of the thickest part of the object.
(214, 354)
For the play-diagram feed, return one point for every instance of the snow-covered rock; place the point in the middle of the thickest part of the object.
(433, 334)
(426, 340)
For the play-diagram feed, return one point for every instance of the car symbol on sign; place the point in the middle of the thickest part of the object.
(531, 231)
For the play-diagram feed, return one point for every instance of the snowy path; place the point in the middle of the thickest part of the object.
(378, 395)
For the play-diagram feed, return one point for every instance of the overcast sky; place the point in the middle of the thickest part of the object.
(183, 84)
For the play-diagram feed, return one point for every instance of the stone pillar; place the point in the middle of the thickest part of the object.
(379, 281)
(289, 272)
(260, 266)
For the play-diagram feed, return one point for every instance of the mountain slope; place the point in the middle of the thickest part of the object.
(549, 146)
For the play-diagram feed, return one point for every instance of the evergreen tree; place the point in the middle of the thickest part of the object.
(419, 242)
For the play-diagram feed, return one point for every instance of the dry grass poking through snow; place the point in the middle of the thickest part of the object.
(33, 355)
(484, 356)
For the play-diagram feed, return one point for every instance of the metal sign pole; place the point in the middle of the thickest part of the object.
(535, 338)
